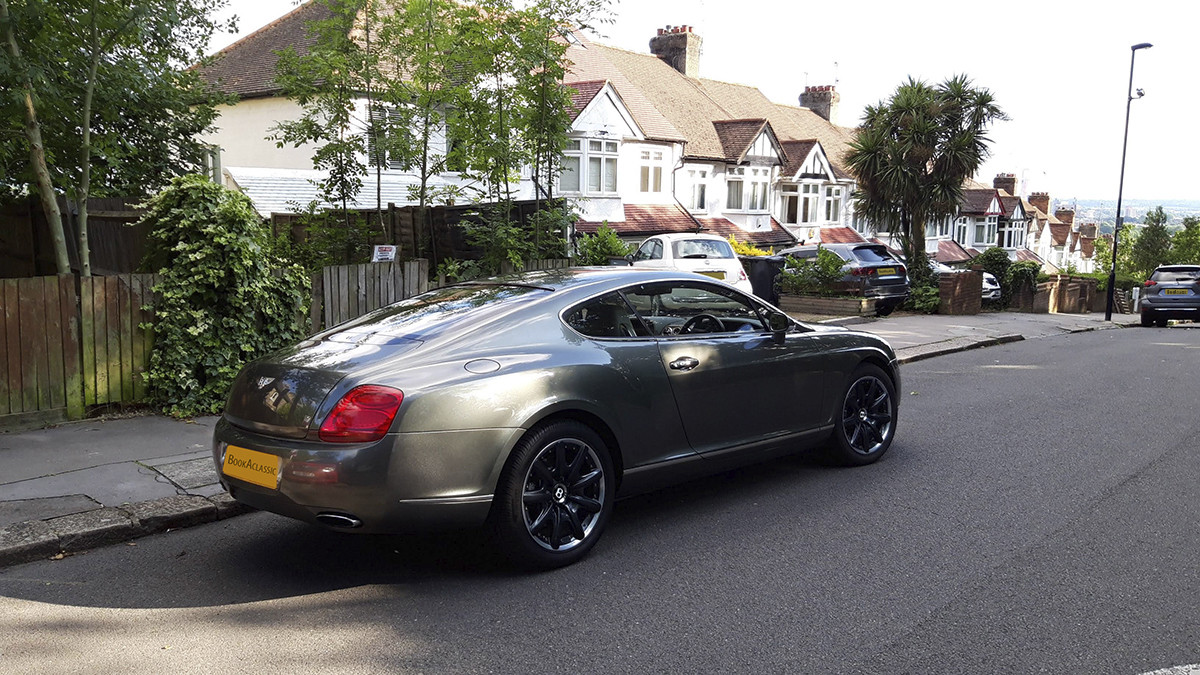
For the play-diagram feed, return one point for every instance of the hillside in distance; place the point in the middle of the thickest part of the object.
(1104, 212)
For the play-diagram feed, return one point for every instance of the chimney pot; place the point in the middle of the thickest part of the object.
(679, 47)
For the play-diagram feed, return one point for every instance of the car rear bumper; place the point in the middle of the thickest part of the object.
(1170, 310)
(403, 483)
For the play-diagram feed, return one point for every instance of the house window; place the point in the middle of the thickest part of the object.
(734, 183)
(759, 188)
(992, 223)
(833, 204)
(960, 231)
(1012, 235)
(809, 195)
(589, 166)
(385, 123)
(651, 171)
(789, 213)
(568, 180)
(699, 183)
(980, 231)
(943, 228)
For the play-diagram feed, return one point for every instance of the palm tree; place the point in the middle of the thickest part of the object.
(912, 154)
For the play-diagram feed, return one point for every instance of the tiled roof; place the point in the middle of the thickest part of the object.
(795, 152)
(644, 220)
(840, 235)
(736, 136)
(247, 67)
(1025, 255)
(583, 93)
(690, 106)
(1059, 233)
(950, 252)
(977, 200)
(1008, 203)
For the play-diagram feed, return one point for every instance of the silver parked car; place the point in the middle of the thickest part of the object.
(528, 403)
(1171, 292)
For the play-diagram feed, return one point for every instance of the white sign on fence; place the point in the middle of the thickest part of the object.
(384, 253)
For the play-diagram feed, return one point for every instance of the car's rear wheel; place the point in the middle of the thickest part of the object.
(883, 310)
(555, 496)
(1161, 323)
(866, 420)
(1147, 320)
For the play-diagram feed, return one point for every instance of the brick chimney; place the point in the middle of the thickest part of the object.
(822, 100)
(1088, 230)
(1041, 200)
(1006, 182)
(679, 47)
(1065, 215)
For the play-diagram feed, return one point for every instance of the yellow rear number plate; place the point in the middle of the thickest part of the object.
(715, 275)
(885, 271)
(1175, 291)
(251, 466)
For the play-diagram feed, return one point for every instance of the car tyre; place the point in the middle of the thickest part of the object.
(865, 422)
(1147, 320)
(1161, 323)
(884, 310)
(554, 497)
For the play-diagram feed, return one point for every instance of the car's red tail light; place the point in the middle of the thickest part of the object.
(862, 271)
(742, 276)
(364, 414)
(1150, 283)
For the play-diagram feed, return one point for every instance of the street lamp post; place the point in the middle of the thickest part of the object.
(1112, 273)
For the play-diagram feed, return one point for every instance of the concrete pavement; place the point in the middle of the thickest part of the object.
(85, 484)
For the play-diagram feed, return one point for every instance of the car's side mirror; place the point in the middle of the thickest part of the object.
(779, 323)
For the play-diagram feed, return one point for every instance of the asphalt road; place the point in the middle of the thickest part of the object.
(1039, 512)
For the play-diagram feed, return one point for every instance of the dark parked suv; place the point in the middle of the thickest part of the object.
(869, 269)
(1171, 292)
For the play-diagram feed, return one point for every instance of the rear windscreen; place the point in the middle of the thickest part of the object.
(1176, 275)
(702, 248)
(873, 254)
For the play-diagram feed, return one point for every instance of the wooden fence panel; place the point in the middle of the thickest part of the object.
(115, 348)
(345, 292)
(12, 332)
(35, 343)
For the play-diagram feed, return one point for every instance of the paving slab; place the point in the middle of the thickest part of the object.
(43, 508)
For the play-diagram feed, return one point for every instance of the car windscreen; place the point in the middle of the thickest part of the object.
(873, 254)
(1176, 274)
(702, 248)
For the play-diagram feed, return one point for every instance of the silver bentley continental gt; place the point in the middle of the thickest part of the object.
(527, 404)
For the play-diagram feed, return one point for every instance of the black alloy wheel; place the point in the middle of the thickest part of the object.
(866, 421)
(555, 496)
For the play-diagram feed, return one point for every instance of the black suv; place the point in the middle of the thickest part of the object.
(1171, 292)
(870, 269)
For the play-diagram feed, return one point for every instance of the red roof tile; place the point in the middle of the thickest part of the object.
(583, 93)
(1059, 233)
(976, 201)
(840, 235)
(737, 135)
(644, 220)
(795, 152)
(247, 67)
(950, 252)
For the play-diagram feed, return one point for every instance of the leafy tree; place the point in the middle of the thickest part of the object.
(1153, 245)
(223, 298)
(995, 261)
(109, 107)
(912, 153)
(596, 249)
(1103, 254)
(1185, 245)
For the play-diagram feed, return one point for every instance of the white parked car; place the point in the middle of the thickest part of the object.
(705, 254)
(991, 287)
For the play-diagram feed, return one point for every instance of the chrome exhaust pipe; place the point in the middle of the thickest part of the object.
(340, 521)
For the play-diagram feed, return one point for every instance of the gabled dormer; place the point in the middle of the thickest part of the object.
(600, 123)
(749, 142)
(806, 160)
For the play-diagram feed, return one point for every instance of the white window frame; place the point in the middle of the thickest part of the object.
(735, 186)
(810, 195)
(789, 198)
(651, 171)
(598, 162)
(833, 203)
(699, 179)
(759, 186)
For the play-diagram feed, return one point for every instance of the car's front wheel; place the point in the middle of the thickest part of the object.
(866, 421)
(555, 496)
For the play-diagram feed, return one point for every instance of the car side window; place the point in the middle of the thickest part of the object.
(686, 308)
(651, 249)
(607, 316)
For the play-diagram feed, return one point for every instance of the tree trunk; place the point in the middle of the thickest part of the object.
(85, 158)
(37, 153)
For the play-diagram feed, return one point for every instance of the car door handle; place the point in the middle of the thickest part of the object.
(684, 363)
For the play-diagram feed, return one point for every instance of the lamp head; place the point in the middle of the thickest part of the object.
(1140, 93)
(1141, 45)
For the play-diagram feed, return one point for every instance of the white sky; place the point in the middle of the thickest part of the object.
(1060, 69)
